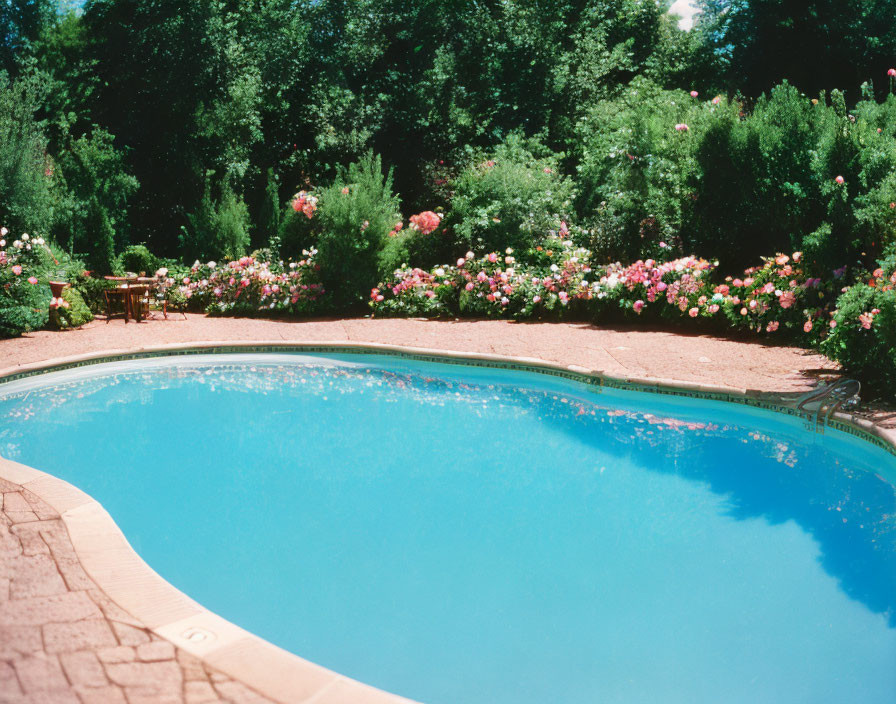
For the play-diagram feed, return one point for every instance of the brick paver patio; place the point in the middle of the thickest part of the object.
(63, 641)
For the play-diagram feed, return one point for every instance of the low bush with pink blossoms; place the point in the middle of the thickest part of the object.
(779, 296)
(24, 293)
(862, 335)
(774, 298)
(247, 286)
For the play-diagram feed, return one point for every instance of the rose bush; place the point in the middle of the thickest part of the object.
(862, 333)
(247, 286)
(775, 297)
(24, 289)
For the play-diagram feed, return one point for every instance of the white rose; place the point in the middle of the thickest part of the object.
(25, 237)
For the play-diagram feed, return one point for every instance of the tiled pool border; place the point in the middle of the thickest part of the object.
(108, 558)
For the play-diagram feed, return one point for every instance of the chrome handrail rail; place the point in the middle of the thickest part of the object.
(830, 399)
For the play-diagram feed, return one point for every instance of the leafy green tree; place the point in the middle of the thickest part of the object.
(814, 44)
(28, 197)
(98, 187)
(62, 55)
(21, 25)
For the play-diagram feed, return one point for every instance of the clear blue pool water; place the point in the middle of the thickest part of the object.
(462, 535)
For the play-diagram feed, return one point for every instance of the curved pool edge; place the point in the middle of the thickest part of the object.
(126, 579)
(785, 402)
(122, 575)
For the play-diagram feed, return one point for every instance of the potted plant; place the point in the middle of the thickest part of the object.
(58, 283)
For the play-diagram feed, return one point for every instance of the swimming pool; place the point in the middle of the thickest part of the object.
(460, 534)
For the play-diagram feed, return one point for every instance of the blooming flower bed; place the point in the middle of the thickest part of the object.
(772, 297)
(248, 286)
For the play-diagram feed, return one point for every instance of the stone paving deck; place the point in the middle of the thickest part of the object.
(63, 640)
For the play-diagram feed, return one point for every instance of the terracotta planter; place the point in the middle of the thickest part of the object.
(57, 287)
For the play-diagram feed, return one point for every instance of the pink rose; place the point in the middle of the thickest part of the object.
(32, 280)
(693, 312)
(787, 299)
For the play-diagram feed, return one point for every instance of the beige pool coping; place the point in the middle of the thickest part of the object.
(127, 580)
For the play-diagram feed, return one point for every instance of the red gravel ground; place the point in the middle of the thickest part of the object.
(614, 351)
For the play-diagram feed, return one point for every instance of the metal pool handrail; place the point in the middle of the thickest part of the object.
(830, 398)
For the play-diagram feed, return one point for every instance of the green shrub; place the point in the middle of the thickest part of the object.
(637, 172)
(758, 192)
(98, 186)
(219, 228)
(409, 245)
(742, 180)
(270, 214)
(864, 341)
(91, 288)
(295, 233)
(23, 307)
(71, 311)
(353, 222)
(509, 198)
(136, 259)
